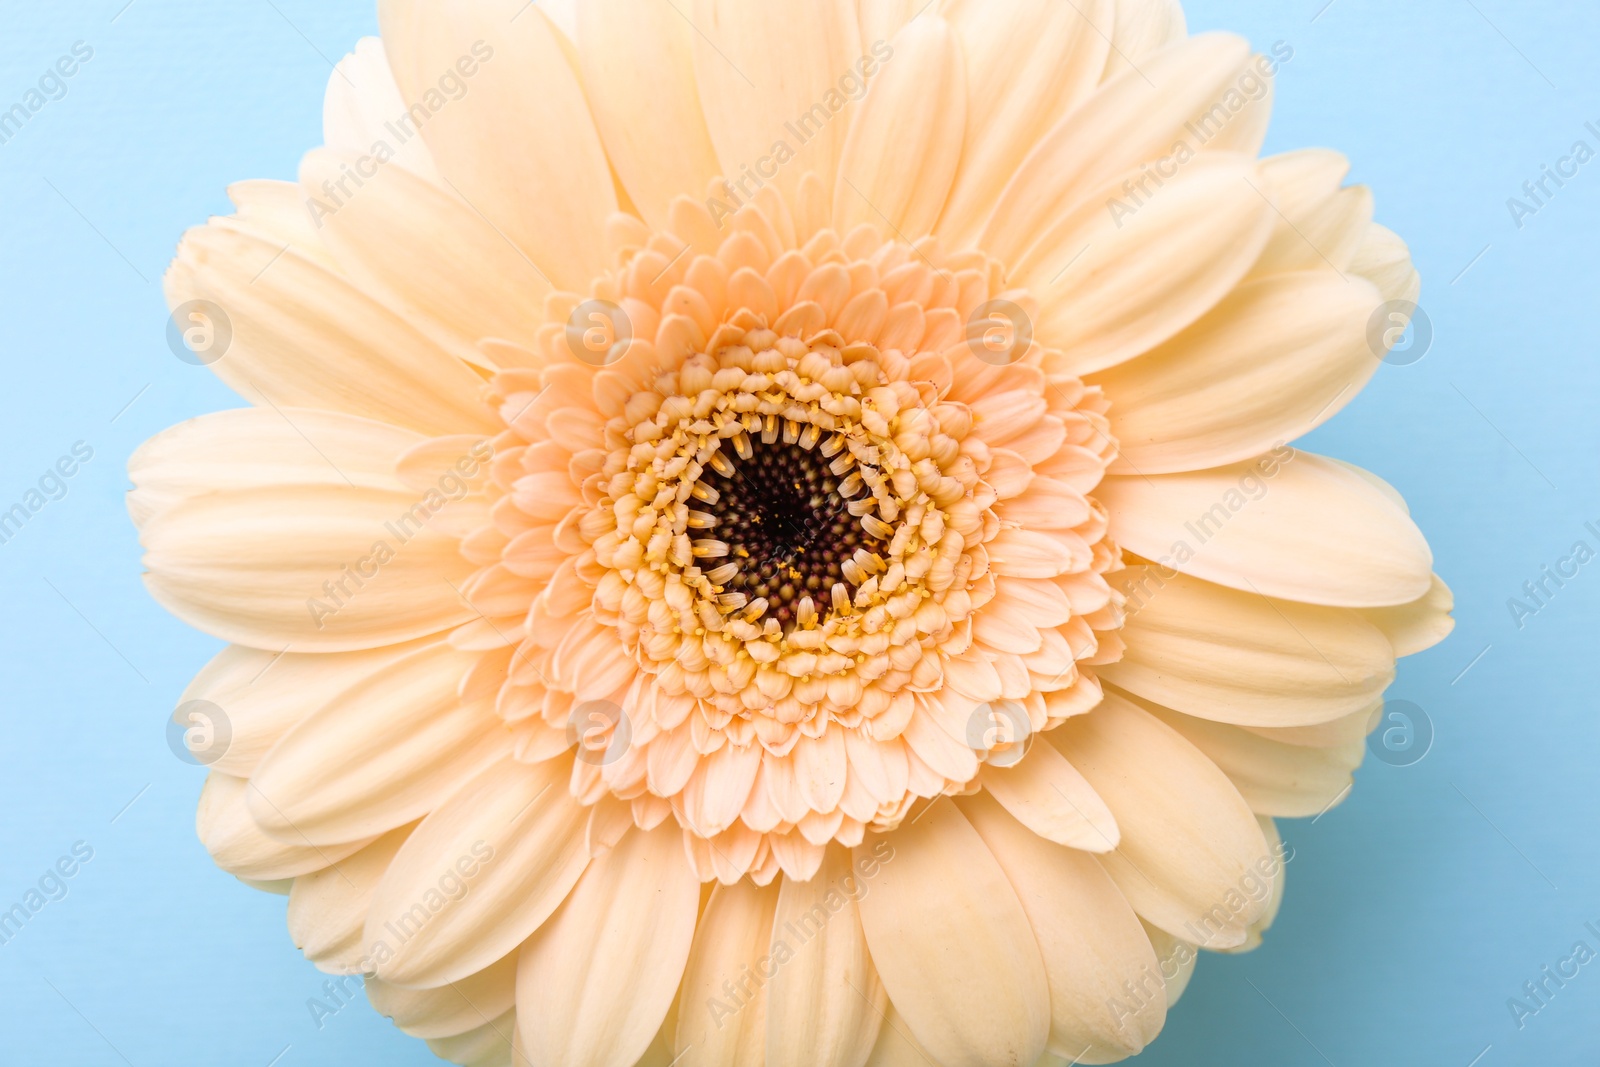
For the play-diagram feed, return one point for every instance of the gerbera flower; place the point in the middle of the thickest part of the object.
(766, 532)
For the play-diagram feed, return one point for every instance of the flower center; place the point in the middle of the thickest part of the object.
(802, 546)
(784, 517)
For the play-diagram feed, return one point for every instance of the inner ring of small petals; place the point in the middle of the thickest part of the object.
(777, 529)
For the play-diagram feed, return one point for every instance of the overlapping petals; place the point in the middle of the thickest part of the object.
(544, 732)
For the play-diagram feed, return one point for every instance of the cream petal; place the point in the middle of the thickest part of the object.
(1026, 71)
(591, 662)
(361, 101)
(1336, 733)
(1189, 841)
(457, 1008)
(426, 256)
(952, 944)
(905, 140)
(1177, 958)
(1001, 416)
(1274, 777)
(1042, 603)
(518, 145)
(659, 1054)
(819, 769)
(597, 980)
(239, 846)
(1030, 554)
(1243, 658)
(672, 759)
(1274, 360)
(896, 1046)
(1321, 225)
(318, 568)
(1419, 625)
(430, 464)
(519, 1049)
(946, 753)
(638, 72)
(277, 211)
(514, 840)
(1135, 118)
(716, 1028)
(1139, 27)
(563, 15)
(259, 447)
(825, 1003)
(724, 782)
(938, 751)
(1272, 871)
(1004, 630)
(489, 1045)
(1054, 664)
(1051, 798)
(1376, 482)
(1047, 504)
(328, 908)
(761, 67)
(879, 766)
(1290, 525)
(795, 856)
(880, 20)
(1088, 935)
(262, 695)
(1112, 285)
(381, 754)
(1384, 258)
(304, 336)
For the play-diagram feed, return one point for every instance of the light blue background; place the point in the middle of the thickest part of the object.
(1415, 909)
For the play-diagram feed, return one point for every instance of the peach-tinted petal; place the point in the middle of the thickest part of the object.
(1277, 358)
(517, 143)
(1114, 280)
(952, 944)
(1025, 72)
(826, 1003)
(1088, 935)
(379, 755)
(904, 143)
(487, 866)
(1291, 525)
(716, 1027)
(281, 304)
(747, 100)
(638, 72)
(1188, 838)
(1243, 657)
(597, 979)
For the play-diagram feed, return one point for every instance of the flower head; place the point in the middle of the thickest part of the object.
(767, 535)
